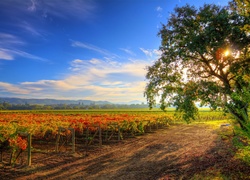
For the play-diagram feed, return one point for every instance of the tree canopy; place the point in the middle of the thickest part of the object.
(243, 8)
(205, 58)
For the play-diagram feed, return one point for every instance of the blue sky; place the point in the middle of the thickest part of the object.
(81, 49)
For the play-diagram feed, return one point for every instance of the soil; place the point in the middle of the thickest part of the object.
(177, 152)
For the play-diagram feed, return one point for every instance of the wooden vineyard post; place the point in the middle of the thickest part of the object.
(29, 149)
(119, 133)
(11, 155)
(73, 139)
(98, 133)
(87, 138)
(147, 127)
(1, 156)
(58, 139)
(106, 135)
(113, 131)
(100, 136)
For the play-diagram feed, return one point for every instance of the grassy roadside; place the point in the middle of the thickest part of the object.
(231, 145)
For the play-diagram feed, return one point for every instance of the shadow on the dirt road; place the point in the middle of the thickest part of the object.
(165, 160)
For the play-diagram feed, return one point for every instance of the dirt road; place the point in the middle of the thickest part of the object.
(178, 152)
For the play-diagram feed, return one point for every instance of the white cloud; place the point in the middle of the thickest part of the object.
(108, 78)
(80, 9)
(147, 52)
(95, 61)
(115, 93)
(10, 54)
(94, 79)
(30, 29)
(128, 51)
(5, 55)
(158, 53)
(53, 84)
(9, 46)
(8, 40)
(159, 9)
(93, 48)
(152, 53)
(101, 68)
(32, 6)
(111, 83)
(7, 87)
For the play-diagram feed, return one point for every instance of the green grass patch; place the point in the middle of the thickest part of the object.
(242, 142)
(215, 124)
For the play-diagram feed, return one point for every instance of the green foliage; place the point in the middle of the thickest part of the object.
(205, 58)
(242, 143)
(243, 8)
(2, 138)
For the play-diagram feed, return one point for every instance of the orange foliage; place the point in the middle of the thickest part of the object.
(38, 124)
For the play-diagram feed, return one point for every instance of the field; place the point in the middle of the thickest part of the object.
(111, 144)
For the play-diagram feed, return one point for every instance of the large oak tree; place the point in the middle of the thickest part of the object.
(205, 58)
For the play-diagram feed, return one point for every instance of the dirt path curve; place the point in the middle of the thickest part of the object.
(178, 152)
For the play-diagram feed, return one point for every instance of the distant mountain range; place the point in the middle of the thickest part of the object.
(49, 101)
(57, 101)
(131, 102)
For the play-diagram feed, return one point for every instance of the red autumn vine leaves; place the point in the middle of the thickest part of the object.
(12, 124)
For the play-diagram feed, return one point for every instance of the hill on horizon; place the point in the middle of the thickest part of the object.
(59, 101)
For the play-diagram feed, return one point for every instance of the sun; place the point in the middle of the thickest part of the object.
(226, 53)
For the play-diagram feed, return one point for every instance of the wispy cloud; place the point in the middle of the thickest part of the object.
(93, 48)
(30, 29)
(32, 6)
(10, 54)
(128, 51)
(8, 40)
(159, 10)
(102, 68)
(30, 15)
(48, 84)
(80, 9)
(15, 89)
(9, 48)
(109, 80)
(152, 53)
(5, 55)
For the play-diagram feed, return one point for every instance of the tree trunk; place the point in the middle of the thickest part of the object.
(241, 115)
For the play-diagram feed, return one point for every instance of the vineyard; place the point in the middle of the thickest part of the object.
(24, 132)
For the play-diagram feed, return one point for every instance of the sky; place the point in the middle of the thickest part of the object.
(81, 49)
